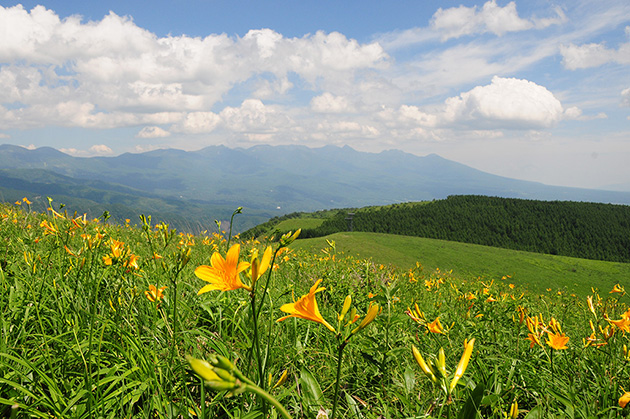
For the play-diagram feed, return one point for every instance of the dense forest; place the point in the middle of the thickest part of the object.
(578, 229)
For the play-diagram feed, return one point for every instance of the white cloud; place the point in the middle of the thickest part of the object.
(505, 103)
(575, 113)
(4, 136)
(593, 55)
(198, 122)
(112, 73)
(152, 132)
(625, 97)
(328, 103)
(460, 21)
(95, 150)
(101, 150)
(253, 116)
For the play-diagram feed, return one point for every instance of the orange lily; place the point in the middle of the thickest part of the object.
(435, 326)
(223, 274)
(155, 294)
(306, 308)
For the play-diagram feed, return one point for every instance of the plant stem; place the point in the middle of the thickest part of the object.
(261, 380)
(268, 397)
(339, 358)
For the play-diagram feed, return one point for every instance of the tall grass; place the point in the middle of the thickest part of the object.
(84, 335)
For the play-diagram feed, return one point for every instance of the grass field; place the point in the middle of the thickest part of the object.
(117, 321)
(533, 271)
(295, 223)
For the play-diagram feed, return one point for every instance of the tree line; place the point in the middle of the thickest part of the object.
(577, 229)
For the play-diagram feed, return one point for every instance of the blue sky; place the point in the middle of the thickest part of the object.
(534, 90)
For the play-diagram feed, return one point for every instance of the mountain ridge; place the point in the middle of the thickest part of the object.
(275, 180)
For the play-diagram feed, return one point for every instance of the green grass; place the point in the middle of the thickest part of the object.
(80, 337)
(533, 271)
(296, 223)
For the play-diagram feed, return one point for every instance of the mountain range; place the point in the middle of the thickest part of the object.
(191, 189)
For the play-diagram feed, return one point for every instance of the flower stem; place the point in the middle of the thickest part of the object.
(261, 379)
(339, 358)
(268, 397)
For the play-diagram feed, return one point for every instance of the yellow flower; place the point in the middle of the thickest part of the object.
(49, 228)
(534, 334)
(557, 340)
(513, 410)
(623, 324)
(117, 249)
(133, 261)
(591, 307)
(306, 307)
(345, 308)
(373, 311)
(423, 365)
(623, 400)
(618, 288)
(435, 326)
(155, 294)
(223, 274)
(436, 371)
(259, 268)
(463, 362)
(282, 379)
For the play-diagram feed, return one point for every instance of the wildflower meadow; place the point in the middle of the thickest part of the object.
(100, 320)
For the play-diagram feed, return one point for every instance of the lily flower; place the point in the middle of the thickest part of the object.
(306, 308)
(223, 274)
(155, 294)
(373, 311)
(463, 362)
(423, 365)
(258, 268)
(557, 340)
(435, 326)
(618, 288)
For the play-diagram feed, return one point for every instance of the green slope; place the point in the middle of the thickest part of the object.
(533, 271)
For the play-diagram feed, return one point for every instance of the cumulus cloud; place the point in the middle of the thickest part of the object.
(460, 21)
(95, 150)
(593, 55)
(152, 132)
(100, 149)
(328, 103)
(198, 122)
(253, 116)
(505, 103)
(112, 73)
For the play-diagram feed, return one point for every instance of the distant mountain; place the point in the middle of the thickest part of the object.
(266, 180)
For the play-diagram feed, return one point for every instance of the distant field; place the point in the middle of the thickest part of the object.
(534, 271)
(295, 223)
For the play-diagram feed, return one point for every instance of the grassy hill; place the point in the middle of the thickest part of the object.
(576, 229)
(533, 271)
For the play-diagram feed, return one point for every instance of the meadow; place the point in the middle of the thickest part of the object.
(104, 320)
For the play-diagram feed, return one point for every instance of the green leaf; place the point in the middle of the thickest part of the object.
(471, 407)
(313, 397)
(535, 413)
(354, 407)
(410, 379)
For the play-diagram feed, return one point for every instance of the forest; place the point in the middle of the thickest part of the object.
(578, 229)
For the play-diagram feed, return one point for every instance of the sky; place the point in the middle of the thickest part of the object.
(535, 90)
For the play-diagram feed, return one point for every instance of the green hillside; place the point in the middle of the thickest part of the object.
(576, 229)
(533, 271)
